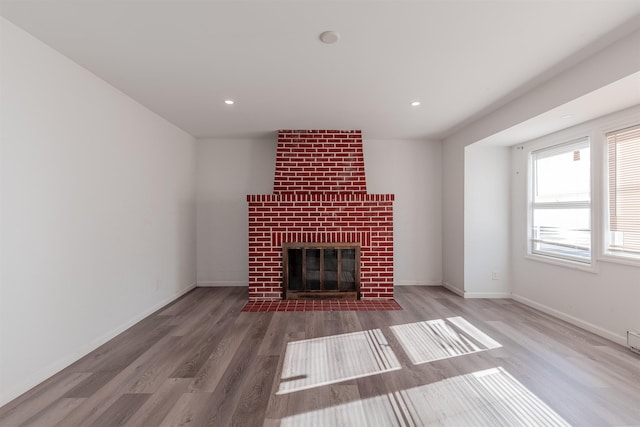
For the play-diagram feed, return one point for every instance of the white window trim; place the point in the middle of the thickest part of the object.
(596, 130)
(575, 265)
(562, 138)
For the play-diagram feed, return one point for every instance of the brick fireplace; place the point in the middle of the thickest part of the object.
(320, 198)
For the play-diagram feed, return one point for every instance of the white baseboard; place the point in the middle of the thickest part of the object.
(418, 283)
(54, 368)
(494, 295)
(453, 289)
(604, 333)
(219, 283)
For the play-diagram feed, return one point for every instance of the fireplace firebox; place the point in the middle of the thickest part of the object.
(321, 270)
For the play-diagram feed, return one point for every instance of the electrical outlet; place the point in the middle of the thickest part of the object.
(494, 275)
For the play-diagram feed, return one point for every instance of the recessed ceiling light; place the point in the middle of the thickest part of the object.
(330, 37)
(229, 102)
(415, 103)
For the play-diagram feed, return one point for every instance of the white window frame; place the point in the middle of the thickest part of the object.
(604, 253)
(596, 129)
(582, 264)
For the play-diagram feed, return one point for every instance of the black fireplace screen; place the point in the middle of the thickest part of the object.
(315, 270)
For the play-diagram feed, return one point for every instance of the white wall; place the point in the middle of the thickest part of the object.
(486, 221)
(605, 300)
(453, 216)
(97, 216)
(412, 171)
(228, 170)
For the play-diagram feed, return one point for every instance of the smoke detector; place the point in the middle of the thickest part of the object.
(330, 37)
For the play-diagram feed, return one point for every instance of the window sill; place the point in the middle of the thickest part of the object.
(574, 265)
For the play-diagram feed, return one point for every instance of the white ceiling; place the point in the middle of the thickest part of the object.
(459, 58)
(613, 97)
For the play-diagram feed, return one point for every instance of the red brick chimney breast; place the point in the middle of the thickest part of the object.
(319, 161)
(320, 195)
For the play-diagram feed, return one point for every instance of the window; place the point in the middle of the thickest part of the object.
(622, 236)
(560, 224)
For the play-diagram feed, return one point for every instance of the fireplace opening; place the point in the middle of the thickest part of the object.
(321, 270)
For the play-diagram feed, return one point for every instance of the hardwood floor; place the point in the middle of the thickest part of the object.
(201, 361)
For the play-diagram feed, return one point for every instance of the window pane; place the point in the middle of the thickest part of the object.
(562, 232)
(561, 203)
(563, 177)
(623, 237)
(626, 243)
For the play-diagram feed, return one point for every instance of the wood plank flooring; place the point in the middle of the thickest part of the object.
(200, 361)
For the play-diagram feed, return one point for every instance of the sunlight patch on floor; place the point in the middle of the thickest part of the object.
(485, 398)
(442, 338)
(327, 360)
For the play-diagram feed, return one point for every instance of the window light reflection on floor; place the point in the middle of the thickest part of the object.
(320, 361)
(442, 338)
(484, 398)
